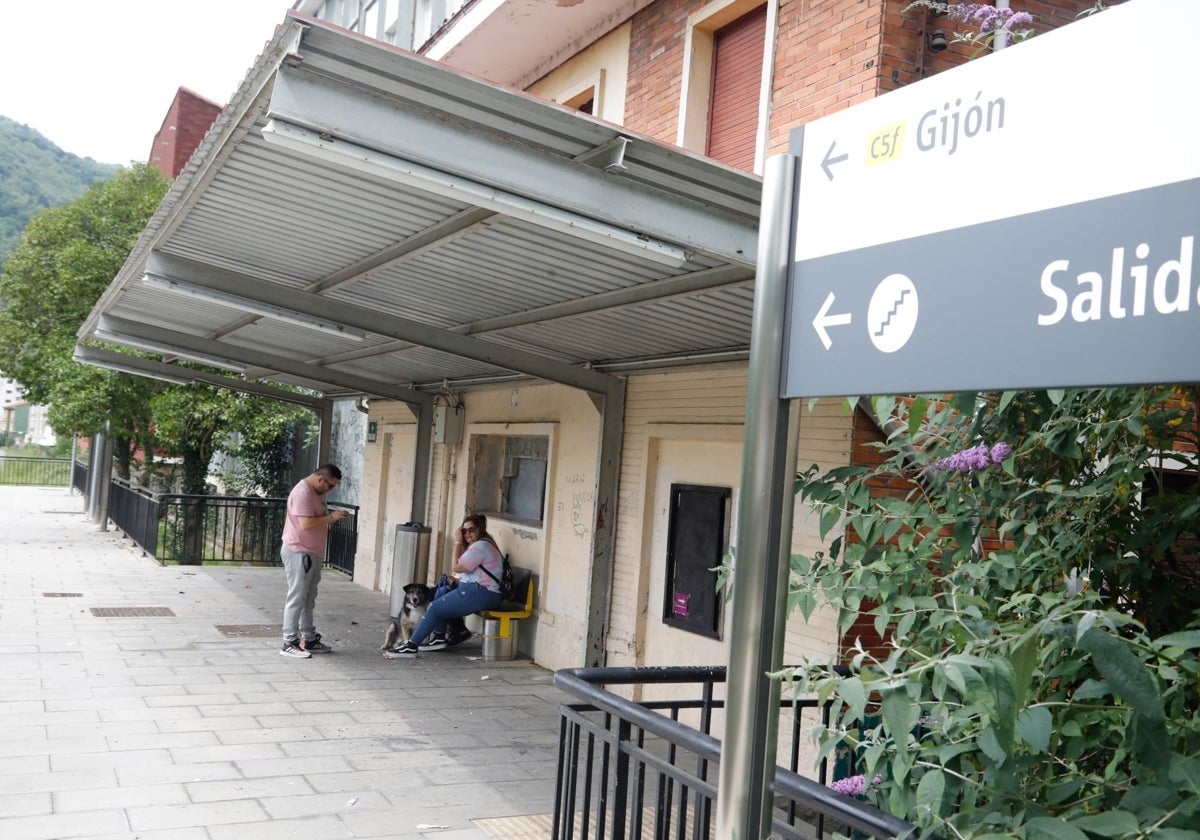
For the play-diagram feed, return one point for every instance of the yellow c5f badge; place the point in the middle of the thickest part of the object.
(885, 144)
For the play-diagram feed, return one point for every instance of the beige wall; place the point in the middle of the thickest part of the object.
(381, 508)
(681, 426)
(558, 553)
(604, 67)
(686, 426)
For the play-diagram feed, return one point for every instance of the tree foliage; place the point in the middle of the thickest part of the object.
(66, 258)
(267, 445)
(36, 174)
(195, 421)
(1043, 674)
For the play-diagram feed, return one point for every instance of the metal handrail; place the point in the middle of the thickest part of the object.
(617, 765)
(195, 529)
(34, 470)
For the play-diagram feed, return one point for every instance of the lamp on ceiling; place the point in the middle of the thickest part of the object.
(349, 154)
(267, 310)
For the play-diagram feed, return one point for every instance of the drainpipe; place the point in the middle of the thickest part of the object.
(1001, 40)
(451, 454)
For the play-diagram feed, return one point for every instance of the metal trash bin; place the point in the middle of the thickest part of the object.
(497, 648)
(409, 561)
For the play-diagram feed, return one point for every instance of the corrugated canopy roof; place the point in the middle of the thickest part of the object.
(361, 220)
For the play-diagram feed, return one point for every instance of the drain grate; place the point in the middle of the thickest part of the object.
(249, 631)
(132, 612)
(62, 594)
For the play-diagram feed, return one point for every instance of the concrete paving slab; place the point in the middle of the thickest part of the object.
(150, 702)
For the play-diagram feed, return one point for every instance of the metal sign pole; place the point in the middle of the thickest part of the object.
(764, 528)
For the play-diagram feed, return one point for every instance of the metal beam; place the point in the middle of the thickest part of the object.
(133, 364)
(377, 165)
(353, 115)
(325, 435)
(604, 513)
(270, 361)
(683, 285)
(409, 248)
(422, 463)
(369, 320)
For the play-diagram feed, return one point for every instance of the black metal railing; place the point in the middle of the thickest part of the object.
(34, 471)
(632, 769)
(134, 510)
(79, 477)
(194, 530)
(343, 540)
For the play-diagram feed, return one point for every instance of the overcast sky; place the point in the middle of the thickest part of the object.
(97, 78)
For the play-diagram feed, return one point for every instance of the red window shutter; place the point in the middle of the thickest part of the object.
(737, 79)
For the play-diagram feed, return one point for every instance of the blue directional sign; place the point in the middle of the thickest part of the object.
(1027, 220)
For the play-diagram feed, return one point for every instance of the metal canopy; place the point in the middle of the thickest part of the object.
(361, 220)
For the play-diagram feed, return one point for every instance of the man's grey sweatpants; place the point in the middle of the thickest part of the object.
(303, 577)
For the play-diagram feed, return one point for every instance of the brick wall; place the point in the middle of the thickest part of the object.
(187, 120)
(826, 58)
(829, 55)
(656, 68)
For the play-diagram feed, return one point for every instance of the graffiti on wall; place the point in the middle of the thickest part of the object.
(580, 497)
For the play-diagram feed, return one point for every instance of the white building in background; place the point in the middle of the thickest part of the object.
(10, 391)
(25, 422)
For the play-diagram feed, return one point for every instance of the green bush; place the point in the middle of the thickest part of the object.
(1042, 608)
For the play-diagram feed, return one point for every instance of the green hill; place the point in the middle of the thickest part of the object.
(36, 174)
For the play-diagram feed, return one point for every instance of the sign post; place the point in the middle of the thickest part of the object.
(1028, 220)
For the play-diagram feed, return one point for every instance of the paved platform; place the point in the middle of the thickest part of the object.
(150, 702)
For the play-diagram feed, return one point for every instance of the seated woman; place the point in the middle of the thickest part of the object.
(478, 565)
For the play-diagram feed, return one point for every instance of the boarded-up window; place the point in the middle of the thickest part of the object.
(697, 541)
(508, 477)
(737, 79)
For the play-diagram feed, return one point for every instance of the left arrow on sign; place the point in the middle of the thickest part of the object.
(824, 319)
(830, 159)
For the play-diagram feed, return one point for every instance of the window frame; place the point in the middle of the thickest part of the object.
(695, 97)
(493, 501)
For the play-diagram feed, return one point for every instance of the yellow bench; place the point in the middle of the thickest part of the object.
(500, 625)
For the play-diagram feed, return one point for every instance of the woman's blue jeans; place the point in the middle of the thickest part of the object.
(464, 599)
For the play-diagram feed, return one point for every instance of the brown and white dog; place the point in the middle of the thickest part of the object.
(400, 627)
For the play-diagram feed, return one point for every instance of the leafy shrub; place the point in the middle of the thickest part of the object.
(1042, 610)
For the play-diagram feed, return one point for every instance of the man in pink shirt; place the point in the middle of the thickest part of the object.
(303, 552)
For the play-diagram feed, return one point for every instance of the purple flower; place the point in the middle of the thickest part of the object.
(1001, 451)
(854, 785)
(974, 459)
(987, 17)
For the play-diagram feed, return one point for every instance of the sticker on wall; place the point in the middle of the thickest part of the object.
(679, 604)
(372, 430)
